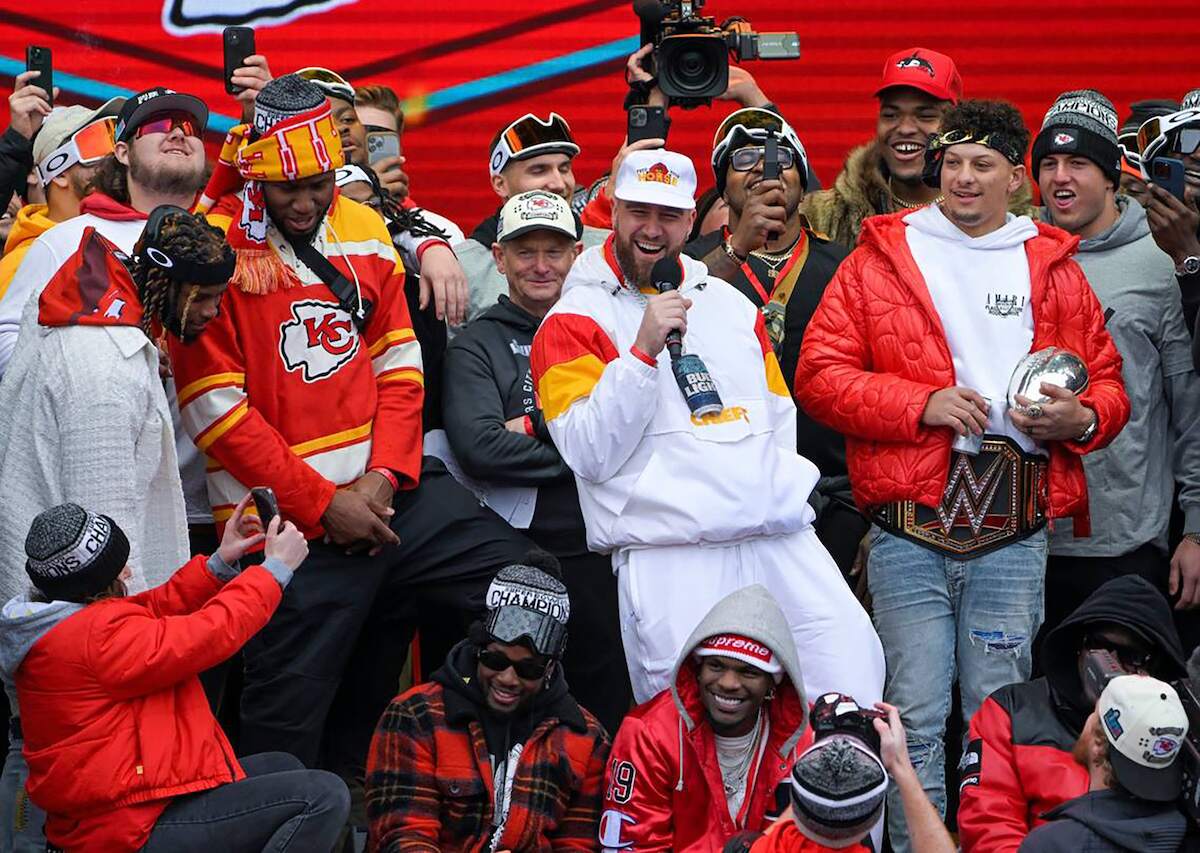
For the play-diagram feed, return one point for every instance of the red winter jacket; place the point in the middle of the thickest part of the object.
(663, 790)
(1018, 767)
(115, 720)
(875, 351)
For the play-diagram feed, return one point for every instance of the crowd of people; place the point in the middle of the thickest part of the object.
(629, 519)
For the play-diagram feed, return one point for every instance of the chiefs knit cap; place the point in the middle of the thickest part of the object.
(73, 553)
(285, 97)
(1081, 122)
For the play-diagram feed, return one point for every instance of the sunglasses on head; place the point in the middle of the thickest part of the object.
(1130, 658)
(166, 122)
(745, 159)
(527, 669)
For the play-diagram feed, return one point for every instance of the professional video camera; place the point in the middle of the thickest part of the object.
(691, 53)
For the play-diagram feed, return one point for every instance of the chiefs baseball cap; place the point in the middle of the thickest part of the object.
(927, 70)
(657, 176)
(1145, 725)
(536, 210)
(141, 106)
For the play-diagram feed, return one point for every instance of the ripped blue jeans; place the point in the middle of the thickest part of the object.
(940, 618)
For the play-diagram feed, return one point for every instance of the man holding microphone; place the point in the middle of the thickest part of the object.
(669, 445)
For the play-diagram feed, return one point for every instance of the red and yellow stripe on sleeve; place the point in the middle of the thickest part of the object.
(213, 405)
(569, 354)
(396, 357)
(775, 381)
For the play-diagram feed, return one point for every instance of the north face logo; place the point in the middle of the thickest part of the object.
(318, 340)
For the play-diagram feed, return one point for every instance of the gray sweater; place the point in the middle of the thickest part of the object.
(1131, 482)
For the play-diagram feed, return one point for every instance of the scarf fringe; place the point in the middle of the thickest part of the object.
(260, 271)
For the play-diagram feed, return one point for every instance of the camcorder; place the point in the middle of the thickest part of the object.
(691, 52)
(837, 713)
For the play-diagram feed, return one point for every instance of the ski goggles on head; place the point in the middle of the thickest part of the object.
(1177, 133)
(529, 136)
(1128, 143)
(510, 624)
(753, 124)
(166, 122)
(90, 144)
(330, 82)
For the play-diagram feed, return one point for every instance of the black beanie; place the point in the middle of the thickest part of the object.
(1082, 122)
(73, 554)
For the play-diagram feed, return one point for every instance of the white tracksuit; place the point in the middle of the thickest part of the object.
(693, 509)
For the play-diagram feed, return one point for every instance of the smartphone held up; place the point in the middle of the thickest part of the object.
(39, 59)
(238, 45)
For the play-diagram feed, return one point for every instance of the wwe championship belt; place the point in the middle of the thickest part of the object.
(991, 500)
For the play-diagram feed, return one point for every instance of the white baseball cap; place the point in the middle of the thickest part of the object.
(536, 210)
(657, 176)
(1145, 725)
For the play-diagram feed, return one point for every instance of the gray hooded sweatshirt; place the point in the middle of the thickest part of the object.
(23, 623)
(1130, 482)
(750, 612)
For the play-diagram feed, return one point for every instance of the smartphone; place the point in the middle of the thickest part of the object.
(647, 123)
(238, 44)
(1167, 172)
(381, 144)
(38, 59)
(265, 504)
(771, 157)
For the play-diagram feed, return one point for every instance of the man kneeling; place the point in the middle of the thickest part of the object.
(123, 751)
(494, 753)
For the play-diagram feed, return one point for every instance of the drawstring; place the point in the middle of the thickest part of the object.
(353, 272)
(679, 784)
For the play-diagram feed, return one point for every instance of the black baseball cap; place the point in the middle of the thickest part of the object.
(141, 106)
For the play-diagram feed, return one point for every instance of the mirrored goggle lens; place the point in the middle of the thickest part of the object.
(1189, 140)
(327, 78)
(528, 669)
(745, 159)
(751, 119)
(1148, 132)
(95, 140)
(165, 123)
(529, 131)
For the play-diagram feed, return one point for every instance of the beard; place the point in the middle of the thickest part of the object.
(165, 177)
(627, 261)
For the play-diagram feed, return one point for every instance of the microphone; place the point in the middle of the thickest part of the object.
(650, 13)
(667, 275)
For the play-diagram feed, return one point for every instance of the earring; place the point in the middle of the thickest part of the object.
(770, 695)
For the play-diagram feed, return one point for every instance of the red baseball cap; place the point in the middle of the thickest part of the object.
(927, 70)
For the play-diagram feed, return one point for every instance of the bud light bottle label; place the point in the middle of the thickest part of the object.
(699, 389)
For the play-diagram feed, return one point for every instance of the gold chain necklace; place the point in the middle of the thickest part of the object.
(776, 258)
(910, 205)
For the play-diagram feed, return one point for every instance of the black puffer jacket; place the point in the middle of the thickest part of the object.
(486, 384)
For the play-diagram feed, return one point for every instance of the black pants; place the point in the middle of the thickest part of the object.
(840, 528)
(594, 661)
(278, 806)
(1070, 580)
(450, 548)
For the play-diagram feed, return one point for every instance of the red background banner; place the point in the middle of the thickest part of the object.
(478, 65)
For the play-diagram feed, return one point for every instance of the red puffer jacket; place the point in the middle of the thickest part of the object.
(115, 720)
(664, 789)
(875, 351)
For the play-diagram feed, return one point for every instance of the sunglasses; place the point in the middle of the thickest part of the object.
(330, 81)
(745, 159)
(527, 669)
(528, 135)
(1129, 658)
(88, 145)
(166, 122)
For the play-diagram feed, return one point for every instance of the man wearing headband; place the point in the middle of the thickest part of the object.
(85, 382)
(1076, 158)
(913, 345)
(310, 382)
(679, 498)
(500, 697)
(71, 143)
(884, 176)
(779, 263)
(530, 153)
(702, 760)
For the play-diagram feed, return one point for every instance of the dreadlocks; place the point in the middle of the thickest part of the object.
(399, 218)
(186, 236)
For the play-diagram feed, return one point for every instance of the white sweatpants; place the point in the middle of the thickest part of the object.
(665, 592)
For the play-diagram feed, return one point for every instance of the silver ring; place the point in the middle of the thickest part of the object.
(1035, 410)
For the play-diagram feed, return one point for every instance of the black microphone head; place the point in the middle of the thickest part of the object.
(650, 11)
(667, 274)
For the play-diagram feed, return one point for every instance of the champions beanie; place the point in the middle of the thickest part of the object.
(838, 790)
(526, 604)
(73, 553)
(1082, 122)
(283, 98)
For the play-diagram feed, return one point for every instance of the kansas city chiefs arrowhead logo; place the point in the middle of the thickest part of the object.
(318, 340)
(1063, 138)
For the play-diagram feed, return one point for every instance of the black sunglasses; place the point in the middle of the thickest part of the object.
(1130, 658)
(528, 669)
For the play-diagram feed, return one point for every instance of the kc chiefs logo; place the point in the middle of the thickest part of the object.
(318, 340)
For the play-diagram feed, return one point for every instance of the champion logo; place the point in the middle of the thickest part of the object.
(659, 174)
(1061, 138)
